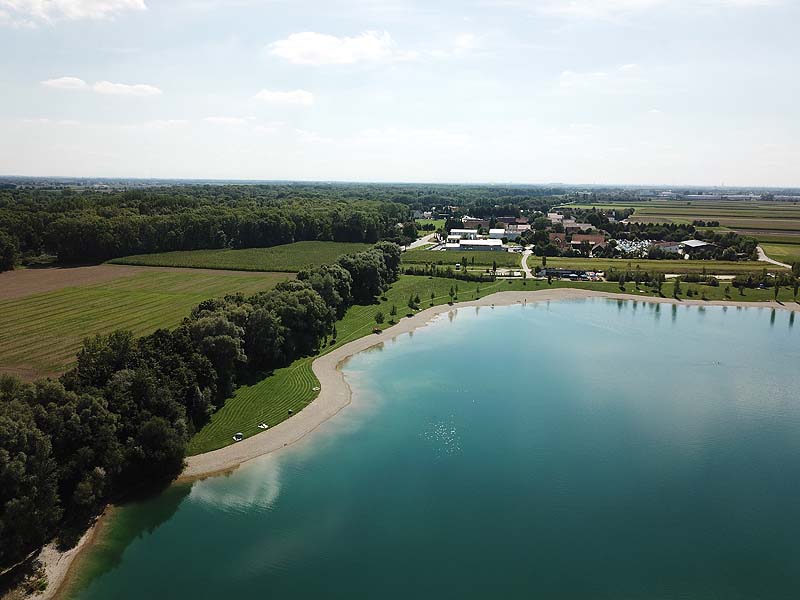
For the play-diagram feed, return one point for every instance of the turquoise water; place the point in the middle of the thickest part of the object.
(586, 449)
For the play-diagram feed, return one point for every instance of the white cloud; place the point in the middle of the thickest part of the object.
(226, 120)
(311, 137)
(166, 123)
(621, 80)
(30, 12)
(293, 97)
(124, 89)
(415, 137)
(462, 44)
(65, 83)
(310, 48)
(46, 121)
(102, 87)
(269, 128)
(599, 9)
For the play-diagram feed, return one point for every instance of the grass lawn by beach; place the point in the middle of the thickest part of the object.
(41, 333)
(286, 258)
(292, 387)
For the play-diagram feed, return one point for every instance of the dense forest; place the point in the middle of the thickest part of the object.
(90, 225)
(124, 414)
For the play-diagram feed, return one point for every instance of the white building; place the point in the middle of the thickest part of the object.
(467, 245)
(497, 234)
(463, 234)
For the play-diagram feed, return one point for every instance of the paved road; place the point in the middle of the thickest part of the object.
(762, 256)
(428, 239)
(528, 273)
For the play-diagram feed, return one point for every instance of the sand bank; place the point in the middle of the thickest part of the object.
(335, 393)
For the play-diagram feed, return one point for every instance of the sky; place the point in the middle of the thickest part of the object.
(660, 92)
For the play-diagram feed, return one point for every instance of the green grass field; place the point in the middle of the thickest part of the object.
(41, 334)
(292, 387)
(437, 223)
(712, 267)
(422, 256)
(786, 253)
(288, 258)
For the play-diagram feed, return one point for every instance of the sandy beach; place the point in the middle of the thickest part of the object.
(335, 395)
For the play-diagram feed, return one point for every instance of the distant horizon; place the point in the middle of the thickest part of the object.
(566, 184)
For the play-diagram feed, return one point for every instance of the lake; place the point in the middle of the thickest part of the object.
(573, 449)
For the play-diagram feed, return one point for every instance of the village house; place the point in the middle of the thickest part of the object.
(559, 239)
(595, 241)
(474, 222)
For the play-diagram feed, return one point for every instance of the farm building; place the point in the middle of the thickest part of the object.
(495, 245)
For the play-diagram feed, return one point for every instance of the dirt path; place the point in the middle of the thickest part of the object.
(762, 256)
(525, 268)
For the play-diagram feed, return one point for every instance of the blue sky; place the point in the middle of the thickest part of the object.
(667, 92)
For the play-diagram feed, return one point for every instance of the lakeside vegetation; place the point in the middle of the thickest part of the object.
(289, 258)
(120, 420)
(292, 387)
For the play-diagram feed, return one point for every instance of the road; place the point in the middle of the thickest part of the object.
(525, 255)
(422, 241)
(762, 256)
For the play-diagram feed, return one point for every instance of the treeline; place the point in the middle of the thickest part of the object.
(122, 417)
(433, 270)
(89, 226)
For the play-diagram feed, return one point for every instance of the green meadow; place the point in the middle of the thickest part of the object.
(40, 334)
(285, 258)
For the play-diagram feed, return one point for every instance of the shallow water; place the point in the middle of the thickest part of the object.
(581, 449)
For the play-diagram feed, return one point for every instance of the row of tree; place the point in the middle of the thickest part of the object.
(91, 226)
(122, 417)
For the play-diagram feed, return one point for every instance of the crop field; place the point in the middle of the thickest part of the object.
(288, 258)
(482, 258)
(270, 399)
(40, 334)
(774, 223)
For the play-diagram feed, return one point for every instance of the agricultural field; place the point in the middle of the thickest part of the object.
(41, 333)
(288, 258)
(485, 258)
(772, 223)
(292, 387)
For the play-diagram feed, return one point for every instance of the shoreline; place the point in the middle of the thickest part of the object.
(335, 395)
(59, 567)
